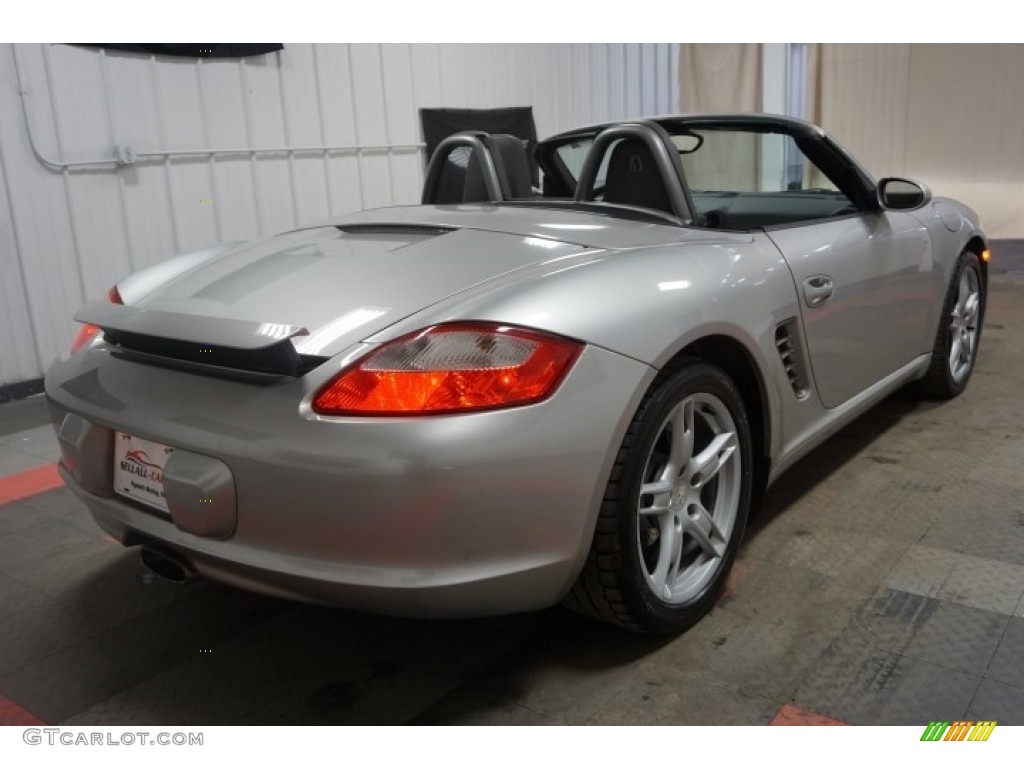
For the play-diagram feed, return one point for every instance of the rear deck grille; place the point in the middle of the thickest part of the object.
(404, 230)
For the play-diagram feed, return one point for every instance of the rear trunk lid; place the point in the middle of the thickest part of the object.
(317, 290)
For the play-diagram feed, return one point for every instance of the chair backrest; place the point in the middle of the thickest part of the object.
(512, 164)
(633, 177)
(635, 164)
(461, 170)
(474, 187)
(475, 167)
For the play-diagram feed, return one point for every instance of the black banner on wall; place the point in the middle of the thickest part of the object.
(193, 50)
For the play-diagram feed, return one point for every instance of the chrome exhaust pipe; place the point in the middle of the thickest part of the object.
(168, 565)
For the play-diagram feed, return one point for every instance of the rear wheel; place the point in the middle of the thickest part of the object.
(956, 341)
(675, 508)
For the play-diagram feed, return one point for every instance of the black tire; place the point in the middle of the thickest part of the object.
(619, 581)
(942, 381)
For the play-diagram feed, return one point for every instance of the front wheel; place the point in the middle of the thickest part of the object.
(675, 508)
(956, 340)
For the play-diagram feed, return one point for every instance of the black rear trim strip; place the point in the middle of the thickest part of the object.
(273, 361)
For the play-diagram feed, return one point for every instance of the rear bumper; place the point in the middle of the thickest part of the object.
(466, 515)
(441, 593)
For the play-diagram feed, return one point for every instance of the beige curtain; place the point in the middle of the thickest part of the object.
(949, 115)
(721, 77)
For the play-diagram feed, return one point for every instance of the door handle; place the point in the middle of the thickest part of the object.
(817, 290)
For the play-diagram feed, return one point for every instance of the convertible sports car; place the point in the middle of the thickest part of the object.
(511, 397)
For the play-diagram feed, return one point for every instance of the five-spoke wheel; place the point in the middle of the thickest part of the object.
(964, 324)
(676, 505)
(956, 340)
(687, 504)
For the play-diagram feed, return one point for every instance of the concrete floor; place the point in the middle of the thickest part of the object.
(882, 583)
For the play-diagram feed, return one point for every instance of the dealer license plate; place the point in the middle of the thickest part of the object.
(139, 469)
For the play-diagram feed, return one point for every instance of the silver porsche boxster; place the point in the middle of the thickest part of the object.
(516, 395)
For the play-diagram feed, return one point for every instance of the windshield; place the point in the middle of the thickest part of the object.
(738, 177)
(724, 159)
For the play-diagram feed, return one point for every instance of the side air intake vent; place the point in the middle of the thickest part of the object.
(787, 342)
(408, 230)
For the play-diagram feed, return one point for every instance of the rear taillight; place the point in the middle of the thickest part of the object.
(451, 369)
(88, 331)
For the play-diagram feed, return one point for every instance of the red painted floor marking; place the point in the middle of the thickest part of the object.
(12, 714)
(29, 483)
(790, 715)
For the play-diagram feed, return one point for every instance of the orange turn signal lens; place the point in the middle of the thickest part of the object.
(986, 255)
(451, 369)
(88, 331)
(85, 334)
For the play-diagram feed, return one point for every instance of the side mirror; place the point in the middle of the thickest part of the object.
(896, 194)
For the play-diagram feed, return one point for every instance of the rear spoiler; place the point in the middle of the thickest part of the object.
(209, 345)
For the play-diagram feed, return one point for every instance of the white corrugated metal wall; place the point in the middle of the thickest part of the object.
(69, 232)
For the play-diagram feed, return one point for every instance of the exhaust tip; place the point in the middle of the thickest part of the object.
(167, 565)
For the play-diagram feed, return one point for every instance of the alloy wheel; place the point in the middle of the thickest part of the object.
(689, 498)
(963, 325)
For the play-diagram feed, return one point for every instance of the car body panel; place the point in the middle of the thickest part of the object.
(953, 228)
(137, 285)
(489, 512)
(812, 425)
(884, 284)
(545, 221)
(342, 286)
(672, 287)
(344, 503)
